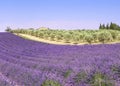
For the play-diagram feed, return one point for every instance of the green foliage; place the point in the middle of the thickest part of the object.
(75, 39)
(99, 79)
(8, 29)
(102, 26)
(107, 26)
(89, 38)
(41, 34)
(79, 77)
(46, 36)
(81, 36)
(67, 37)
(67, 74)
(118, 37)
(95, 36)
(114, 34)
(112, 26)
(105, 36)
(52, 36)
(58, 37)
(74, 36)
(50, 83)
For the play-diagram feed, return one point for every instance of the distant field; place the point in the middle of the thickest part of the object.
(29, 63)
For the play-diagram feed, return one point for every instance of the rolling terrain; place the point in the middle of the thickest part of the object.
(29, 63)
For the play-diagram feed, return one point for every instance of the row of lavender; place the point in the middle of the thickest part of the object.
(29, 63)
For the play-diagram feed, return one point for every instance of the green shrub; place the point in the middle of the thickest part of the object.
(95, 36)
(81, 37)
(50, 83)
(114, 34)
(40, 34)
(52, 36)
(105, 36)
(67, 74)
(79, 77)
(58, 37)
(67, 37)
(75, 39)
(89, 38)
(118, 37)
(46, 36)
(99, 79)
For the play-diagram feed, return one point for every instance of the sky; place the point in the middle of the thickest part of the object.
(58, 14)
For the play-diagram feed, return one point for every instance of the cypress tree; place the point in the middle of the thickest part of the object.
(111, 26)
(103, 26)
(107, 26)
(100, 27)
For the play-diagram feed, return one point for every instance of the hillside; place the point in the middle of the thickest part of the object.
(70, 37)
(29, 63)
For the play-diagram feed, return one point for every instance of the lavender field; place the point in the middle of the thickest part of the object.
(29, 63)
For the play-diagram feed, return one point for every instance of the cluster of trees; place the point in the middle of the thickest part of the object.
(112, 26)
(8, 29)
(73, 36)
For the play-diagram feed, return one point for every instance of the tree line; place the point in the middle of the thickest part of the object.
(73, 36)
(111, 26)
(106, 33)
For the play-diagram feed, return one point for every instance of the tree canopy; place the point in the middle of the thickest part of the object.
(112, 26)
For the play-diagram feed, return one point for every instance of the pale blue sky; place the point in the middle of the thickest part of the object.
(59, 14)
